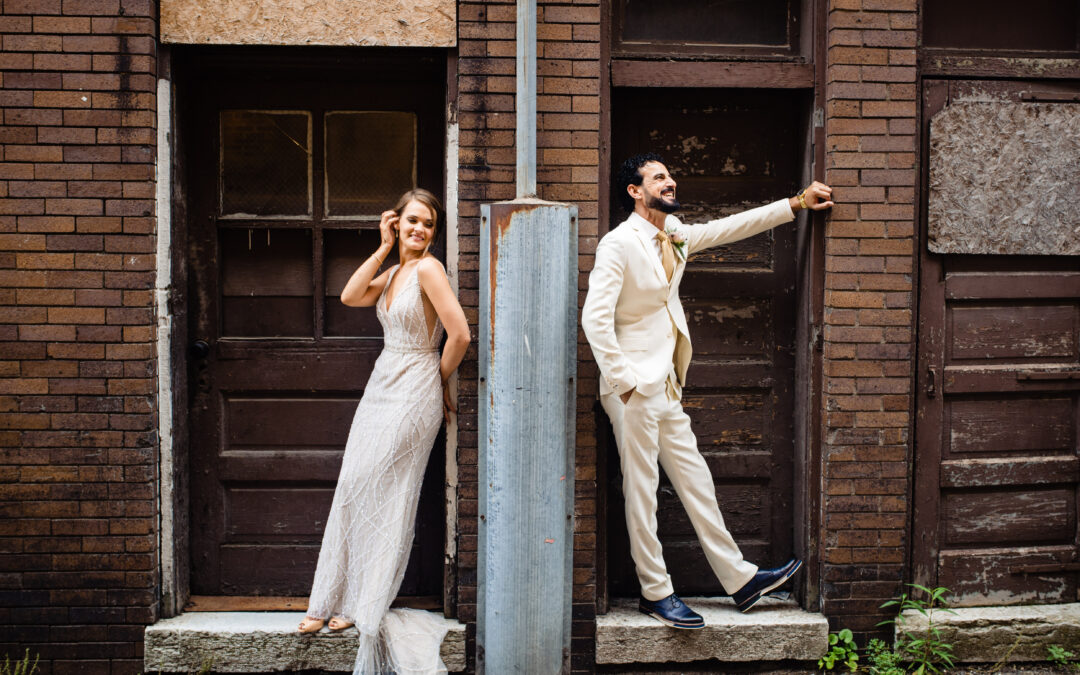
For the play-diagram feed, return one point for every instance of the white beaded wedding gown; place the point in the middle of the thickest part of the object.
(370, 529)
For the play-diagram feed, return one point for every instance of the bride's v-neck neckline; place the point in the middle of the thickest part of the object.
(390, 300)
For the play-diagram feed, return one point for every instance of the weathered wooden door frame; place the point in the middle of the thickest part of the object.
(805, 72)
(929, 359)
(173, 483)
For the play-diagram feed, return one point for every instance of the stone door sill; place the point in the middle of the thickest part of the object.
(776, 629)
(261, 642)
(1010, 632)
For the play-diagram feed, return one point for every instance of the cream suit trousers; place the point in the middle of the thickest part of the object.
(655, 428)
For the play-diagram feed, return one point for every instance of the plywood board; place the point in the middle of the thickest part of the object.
(397, 23)
(1004, 178)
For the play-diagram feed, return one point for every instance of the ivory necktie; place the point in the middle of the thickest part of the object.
(667, 255)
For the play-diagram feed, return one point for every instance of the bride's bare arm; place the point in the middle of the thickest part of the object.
(437, 289)
(363, 289)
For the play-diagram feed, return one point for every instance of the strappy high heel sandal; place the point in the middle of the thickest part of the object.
(337, 623)
(310, 625)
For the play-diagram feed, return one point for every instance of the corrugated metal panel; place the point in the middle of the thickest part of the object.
(527, 390)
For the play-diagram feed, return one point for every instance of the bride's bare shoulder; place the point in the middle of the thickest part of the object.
(429, 268)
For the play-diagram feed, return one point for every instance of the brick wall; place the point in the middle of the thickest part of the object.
(871, 144)
(568, 106)
(77, 466)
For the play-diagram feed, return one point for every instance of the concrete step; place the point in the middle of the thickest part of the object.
(262, 642)
(776, 629)
(1016, 633)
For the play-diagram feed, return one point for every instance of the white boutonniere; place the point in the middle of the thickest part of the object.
(677, 240)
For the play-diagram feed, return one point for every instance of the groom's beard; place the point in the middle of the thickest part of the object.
(659, 204)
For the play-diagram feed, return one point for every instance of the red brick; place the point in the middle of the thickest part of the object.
(73, 206)
(32, 43)
(61, 24)
(889, 108)
(861, 299)
(22, 242)
(571, 14)
(856, 126)
(46, 224)
(858, 91)
(39, 188)
(91, 7)
(45, 62)
(16, 171)
(858, 56)
(877, 73)
(33, 153)
(61, 99)
(866, 20)
(890, 38)
(19, 135)
(22, 207)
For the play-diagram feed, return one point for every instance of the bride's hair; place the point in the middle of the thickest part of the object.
(427, 199)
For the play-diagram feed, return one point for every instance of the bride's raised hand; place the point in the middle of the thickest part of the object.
(388, 228)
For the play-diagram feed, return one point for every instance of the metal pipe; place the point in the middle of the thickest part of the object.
(526, 98)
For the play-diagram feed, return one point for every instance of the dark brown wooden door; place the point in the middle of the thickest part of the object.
(288, 169)
(995, 517)
(729, 150)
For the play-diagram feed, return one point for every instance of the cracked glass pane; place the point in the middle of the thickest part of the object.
(265, 163)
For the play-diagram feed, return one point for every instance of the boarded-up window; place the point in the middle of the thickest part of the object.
(1004, 178)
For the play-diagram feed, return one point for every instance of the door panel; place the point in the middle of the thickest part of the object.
(278, 221)
(998, 401)
(729, 150)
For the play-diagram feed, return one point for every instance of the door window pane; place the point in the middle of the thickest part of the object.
(370, 161)
(706, 22)
(344, 251)
(1038, 25)
(266, 284)
(265, 163)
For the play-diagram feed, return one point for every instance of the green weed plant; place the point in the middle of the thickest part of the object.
(22, 666)
(1062, 658)
(842, 650)
(882, 660)
(927, 652)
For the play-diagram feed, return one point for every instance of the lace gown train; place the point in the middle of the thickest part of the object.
(370, 529)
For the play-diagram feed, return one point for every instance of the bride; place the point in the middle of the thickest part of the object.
(370, 528)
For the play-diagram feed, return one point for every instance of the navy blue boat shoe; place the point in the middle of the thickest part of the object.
(673, 612)
(763, 582)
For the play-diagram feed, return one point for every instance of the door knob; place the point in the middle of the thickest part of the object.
(200, 349)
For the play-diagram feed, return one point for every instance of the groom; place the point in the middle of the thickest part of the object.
(635, 324)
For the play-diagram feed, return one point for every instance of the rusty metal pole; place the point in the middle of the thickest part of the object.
(527, 406)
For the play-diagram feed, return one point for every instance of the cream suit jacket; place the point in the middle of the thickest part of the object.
(630, 308)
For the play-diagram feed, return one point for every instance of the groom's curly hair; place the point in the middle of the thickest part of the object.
(629, 173)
